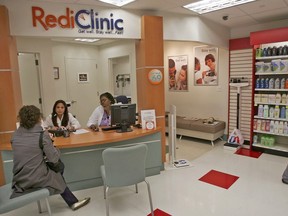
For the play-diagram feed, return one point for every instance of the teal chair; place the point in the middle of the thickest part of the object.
(7, 204)
(124, 166)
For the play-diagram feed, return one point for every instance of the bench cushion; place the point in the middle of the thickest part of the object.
(198, 125)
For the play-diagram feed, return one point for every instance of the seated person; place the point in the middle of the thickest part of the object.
(30, 171)
(61, 118)
(101, 116)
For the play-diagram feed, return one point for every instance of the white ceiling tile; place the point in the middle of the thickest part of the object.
(260, 6)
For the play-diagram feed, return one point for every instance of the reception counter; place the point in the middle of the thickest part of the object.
(82, 154)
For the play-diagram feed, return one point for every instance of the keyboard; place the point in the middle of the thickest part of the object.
(111, 128)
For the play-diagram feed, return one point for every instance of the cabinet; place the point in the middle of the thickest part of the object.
(270, 117)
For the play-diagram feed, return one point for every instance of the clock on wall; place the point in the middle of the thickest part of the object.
(84, 19)
(155, 76)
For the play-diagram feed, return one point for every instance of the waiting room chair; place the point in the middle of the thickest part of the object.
(122, 99)
(7, 204)
(124, 166)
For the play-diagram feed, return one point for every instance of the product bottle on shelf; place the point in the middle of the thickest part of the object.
(278, 98)
(259, 124)
(280, 127)
(276, 112)
(277, 83)
(282, 83)
(258, 83)
(266, 111)
(267, 126)
(283, 98)
(271, 83)
(286, 83)
(286, 112)
(260, 110)
(266, 83)
(285, 128)
(255, 124)
(271, 112)
(283, 112)
(271, 126)
(263, 125)
(276, 127)
(262, 83)
(255, 139)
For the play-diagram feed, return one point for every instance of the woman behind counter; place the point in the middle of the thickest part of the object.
(61, 118)
(101, 116)
(30, 171)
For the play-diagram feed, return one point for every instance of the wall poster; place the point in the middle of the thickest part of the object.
(206, 66)
(178, 75)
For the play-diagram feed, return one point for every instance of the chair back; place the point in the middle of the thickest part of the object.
(125, 165)
(123, 99)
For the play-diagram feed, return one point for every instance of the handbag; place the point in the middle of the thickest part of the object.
(56, 167)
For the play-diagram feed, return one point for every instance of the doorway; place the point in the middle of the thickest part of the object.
(82, 88)
(30, 79)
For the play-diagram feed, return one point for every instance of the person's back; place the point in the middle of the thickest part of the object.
(30, 171)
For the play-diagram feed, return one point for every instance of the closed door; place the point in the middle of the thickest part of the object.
(30, 79)
(82, 87)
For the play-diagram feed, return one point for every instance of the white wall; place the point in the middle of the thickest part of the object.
(115, 50)
(199, 101)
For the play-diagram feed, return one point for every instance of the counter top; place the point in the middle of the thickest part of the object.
(86, 139)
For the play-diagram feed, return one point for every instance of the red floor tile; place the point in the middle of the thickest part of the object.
(158, 212)
(219, 179)
(248, 152)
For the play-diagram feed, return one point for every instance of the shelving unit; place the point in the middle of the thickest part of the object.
(265, 138)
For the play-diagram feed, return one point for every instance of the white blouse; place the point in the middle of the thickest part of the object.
(73, 122)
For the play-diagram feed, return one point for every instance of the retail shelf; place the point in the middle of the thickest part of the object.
(265, 132)
(271, 73)
(272, 90)
(268, 103)
(277, 119)
(277, 147)
(272, 57)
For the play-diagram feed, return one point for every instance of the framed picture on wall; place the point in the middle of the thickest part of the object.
(178, 73)
(83, 78)
(206, 66)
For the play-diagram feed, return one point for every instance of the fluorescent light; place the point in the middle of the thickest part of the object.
(206, 6)
(118, 3)
(88, 40)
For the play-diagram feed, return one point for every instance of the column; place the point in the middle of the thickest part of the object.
(149, 56)
(10, 91)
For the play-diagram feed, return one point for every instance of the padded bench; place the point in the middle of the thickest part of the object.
(196, 128)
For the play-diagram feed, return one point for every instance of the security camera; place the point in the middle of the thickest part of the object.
(225, 17)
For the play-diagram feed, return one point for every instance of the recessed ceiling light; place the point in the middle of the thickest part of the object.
(88, 40)
(118, 3)
(206, 6)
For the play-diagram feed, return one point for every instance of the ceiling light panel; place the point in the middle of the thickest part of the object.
(206, 6)
(118, 3)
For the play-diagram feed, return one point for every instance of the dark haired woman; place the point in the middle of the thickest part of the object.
(101, 116)
(30, 171)
(61, 118)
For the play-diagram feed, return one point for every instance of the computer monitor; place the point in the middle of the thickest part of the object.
(123, 115)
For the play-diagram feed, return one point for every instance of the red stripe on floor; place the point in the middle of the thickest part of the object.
(219, 179)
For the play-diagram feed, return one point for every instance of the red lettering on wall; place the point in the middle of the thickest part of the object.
(51, 21)
(37, 15)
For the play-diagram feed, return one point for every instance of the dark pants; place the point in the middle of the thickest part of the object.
(69, 197)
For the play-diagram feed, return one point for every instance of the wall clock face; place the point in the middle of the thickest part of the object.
(84, 18)
(155, 76)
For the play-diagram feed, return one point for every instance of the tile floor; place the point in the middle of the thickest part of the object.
(178, 191)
